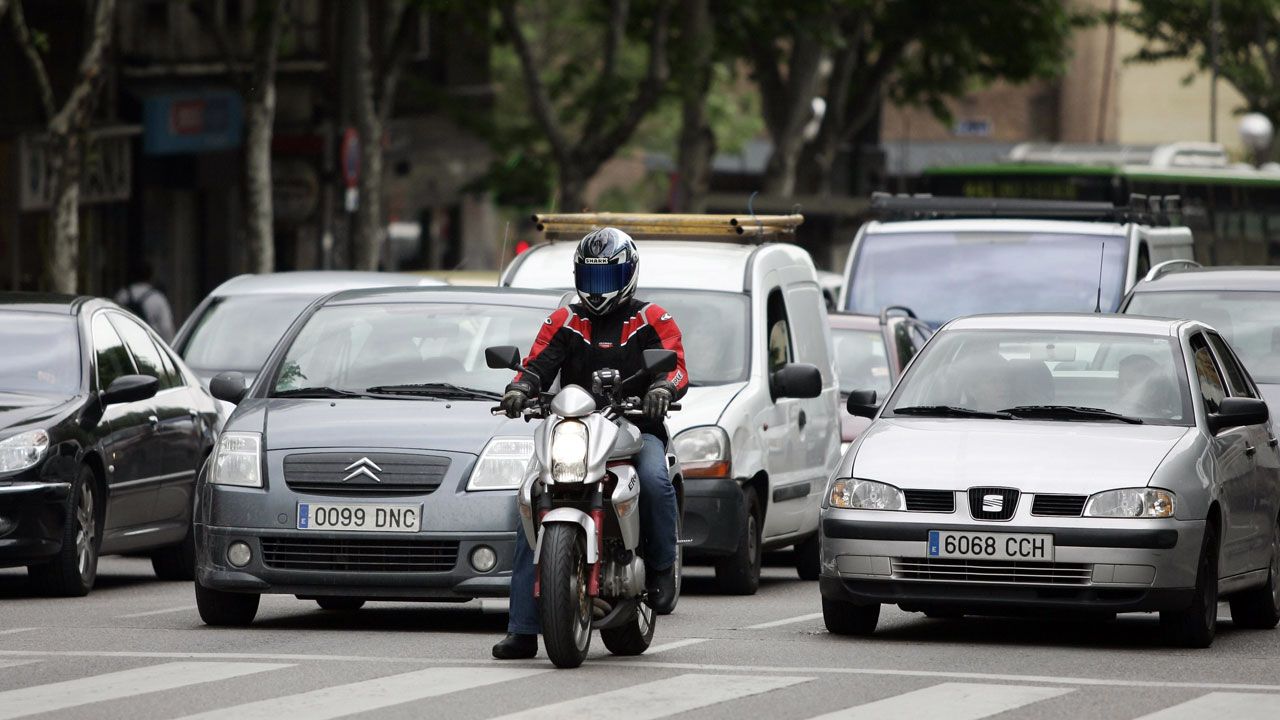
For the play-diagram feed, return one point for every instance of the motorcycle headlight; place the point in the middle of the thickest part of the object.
(1131, 503)
(569, 452)
(703, 452)
(855, 494)
(502, 465)
(23, 451)
(238, 460)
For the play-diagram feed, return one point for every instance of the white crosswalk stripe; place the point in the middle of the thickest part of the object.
(1237, 706)
(342, 700)
(123, 684)
(661, 698)
(954, 701)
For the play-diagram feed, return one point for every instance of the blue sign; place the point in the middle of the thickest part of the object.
(194, 122)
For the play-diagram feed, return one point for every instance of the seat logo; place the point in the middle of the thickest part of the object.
(992, 503)
(364, 466)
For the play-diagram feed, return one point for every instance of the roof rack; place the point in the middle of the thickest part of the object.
(1169, 266)
(1143, 209)
(902, 309)
(758, 228)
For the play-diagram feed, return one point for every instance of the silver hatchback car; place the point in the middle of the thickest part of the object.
(1085, 462)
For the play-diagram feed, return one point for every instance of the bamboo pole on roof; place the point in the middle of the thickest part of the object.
(673, 231)
(664, 219)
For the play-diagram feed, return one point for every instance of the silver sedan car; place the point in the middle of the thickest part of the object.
(1060, 462)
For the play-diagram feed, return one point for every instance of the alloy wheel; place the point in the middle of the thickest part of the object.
(86, 529)
(582, 630)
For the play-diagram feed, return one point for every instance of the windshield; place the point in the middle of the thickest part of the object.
(861, 362)
(1246, 319)
(713, 327)
(351, 348)
(945, 275)
(238, 332)
(49, 363)
(1135, 376)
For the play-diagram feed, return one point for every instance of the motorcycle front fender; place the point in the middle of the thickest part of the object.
(575, 517)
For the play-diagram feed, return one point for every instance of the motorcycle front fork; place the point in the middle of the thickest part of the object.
(597, 516)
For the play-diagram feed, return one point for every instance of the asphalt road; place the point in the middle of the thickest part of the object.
(136, 649)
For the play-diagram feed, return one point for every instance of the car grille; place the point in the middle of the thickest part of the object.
(365, 473)
(999, 503)
(992, 571)
(359, 555)
(1059, 505)
(941, 501)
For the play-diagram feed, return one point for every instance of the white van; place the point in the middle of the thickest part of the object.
(760, 430)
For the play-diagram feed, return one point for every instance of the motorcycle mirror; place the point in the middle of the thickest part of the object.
(503, 357)
(659, 361)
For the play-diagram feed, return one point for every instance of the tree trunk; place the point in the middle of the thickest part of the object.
(697, 141)
(64, 167)
(792, 114)
(368, 230)
(261, 115)
(573, 186)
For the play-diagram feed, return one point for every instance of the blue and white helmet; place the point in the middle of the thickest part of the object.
(605, 269)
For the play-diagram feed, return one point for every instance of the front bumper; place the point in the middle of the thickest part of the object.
(1106, 565)
(39, 509)
(712, 516)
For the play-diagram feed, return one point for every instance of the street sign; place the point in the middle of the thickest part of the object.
(351, 157)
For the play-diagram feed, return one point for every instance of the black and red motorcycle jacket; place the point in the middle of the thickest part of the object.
(576, 344)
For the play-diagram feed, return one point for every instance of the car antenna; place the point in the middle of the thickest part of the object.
(1102, 256)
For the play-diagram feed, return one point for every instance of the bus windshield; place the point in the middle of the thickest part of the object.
(945, 275)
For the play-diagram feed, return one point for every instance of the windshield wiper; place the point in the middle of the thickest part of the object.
(316, 392)
(1070, 412)
(950, 411)
(436, 390)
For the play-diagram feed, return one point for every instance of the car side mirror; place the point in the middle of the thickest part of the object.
(130, 388)
(658, 361)
(796, 380)
(862, 403)
(503, 357)
(228, 387)
(1234, 412)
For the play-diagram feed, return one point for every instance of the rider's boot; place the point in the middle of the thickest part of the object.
(662, 589)
(516, 647)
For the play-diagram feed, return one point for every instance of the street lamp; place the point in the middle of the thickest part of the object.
(1256, 131)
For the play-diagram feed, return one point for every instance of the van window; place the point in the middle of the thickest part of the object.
(810, 329)
(779, 331)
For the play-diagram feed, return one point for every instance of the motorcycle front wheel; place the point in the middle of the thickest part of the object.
(565, 606)
(634, 637)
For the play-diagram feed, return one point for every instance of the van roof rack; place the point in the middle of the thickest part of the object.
(737, 228)
(1144, 209)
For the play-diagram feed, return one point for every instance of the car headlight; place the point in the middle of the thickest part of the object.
(1131, 503)
(238, 460)
(23, 451)
(855, 494)
(703, 452)
(569, 452)
(502, 465)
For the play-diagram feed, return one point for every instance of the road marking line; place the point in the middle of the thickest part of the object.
(165, 611)
(660, 665)
(660, 698)
(1237, 706)
(15, 631)
(16, 663)
(784, 621)
(954, 701)
(123, 684)
(369, 695)
(676, 644)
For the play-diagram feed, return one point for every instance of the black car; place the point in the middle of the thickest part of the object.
(102, 430)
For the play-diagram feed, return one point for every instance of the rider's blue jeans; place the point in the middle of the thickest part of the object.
(657, 527)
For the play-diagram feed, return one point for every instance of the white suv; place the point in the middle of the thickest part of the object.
(760, 431)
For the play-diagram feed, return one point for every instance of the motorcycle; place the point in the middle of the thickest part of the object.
(579, 509)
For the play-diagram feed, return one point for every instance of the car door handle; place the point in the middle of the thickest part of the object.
(1273, 442)
(155, 421)
(1250, 450)
(803, 419)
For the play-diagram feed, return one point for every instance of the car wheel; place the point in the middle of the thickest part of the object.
(340, 603)
(226, 609)
(1259, 608)
(176, 562)
(739, 573)
(809, 557)
(846, 618)
(1195, 625)
(73, 570)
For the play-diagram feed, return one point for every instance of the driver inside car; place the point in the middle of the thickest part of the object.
(607, 328)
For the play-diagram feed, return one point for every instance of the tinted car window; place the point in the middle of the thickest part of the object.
(1237, 378)
(238, 332)
(145, 355)
(113, 359)
(1212, 388)
(50, 359)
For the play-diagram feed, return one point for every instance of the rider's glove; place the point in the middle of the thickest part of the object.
(513, 402)
(656, 402)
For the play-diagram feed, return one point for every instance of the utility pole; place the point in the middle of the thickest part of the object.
(1215, 14)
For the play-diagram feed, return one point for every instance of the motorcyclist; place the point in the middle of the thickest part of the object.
(608, 328)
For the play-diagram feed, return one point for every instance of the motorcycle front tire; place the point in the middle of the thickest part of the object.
(564, 605)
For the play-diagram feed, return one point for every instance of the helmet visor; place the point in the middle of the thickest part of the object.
(602, 279)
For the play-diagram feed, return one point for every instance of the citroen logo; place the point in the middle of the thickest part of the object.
(992, 503)
(363, 466)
